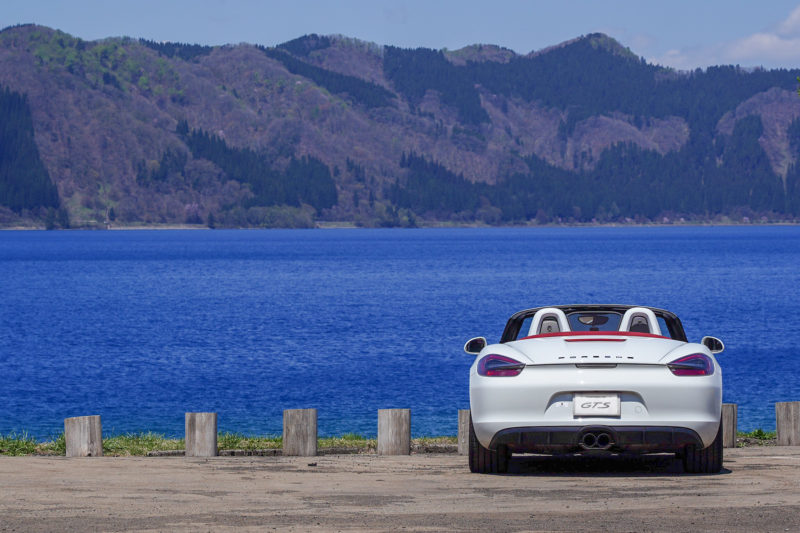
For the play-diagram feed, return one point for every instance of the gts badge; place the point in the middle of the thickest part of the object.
(596, 405)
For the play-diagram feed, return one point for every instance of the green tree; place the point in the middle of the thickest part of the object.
(24, 181)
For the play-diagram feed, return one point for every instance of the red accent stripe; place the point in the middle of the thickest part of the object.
(590, 333)
(595, 340)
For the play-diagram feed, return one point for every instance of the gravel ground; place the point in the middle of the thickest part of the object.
(758, 490)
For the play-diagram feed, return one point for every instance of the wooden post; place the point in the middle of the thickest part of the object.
(463, 431)
(84, 436)
(730, 414)
(394, 431)
(201, 435)
(300, 432)
(787, 423)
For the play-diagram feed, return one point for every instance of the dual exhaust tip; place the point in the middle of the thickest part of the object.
(595, 441)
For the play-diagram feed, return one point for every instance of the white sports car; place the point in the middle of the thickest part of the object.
(595, 379)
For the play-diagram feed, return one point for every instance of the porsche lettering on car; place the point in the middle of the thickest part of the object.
(595, 379)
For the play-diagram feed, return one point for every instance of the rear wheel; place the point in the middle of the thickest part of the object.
(706, 460)
(483, 460)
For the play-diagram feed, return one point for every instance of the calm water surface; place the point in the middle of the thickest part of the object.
(142, 326)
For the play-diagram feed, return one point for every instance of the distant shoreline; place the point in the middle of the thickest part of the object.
(350, 225)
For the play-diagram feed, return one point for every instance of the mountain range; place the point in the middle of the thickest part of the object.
(325, 129)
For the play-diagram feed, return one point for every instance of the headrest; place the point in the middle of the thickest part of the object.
(552, 316)
(636, 319)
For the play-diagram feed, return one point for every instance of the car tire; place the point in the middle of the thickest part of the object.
(483, 460)
(706, 460)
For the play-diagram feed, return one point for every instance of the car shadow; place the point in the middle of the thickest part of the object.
(599, 465)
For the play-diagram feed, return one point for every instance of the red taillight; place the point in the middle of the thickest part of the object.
(499, 365)
(697, 364)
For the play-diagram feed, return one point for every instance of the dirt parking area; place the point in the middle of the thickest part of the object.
(759, 490)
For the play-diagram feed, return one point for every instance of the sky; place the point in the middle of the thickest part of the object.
(679, 33)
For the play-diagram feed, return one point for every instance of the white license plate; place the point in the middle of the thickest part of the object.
(601, 404)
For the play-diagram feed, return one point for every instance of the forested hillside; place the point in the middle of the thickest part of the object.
(25, 185)
(127, 131)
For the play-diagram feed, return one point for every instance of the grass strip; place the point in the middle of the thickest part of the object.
(758, 434)
(17, 444)
(757, 437)
(142, 443)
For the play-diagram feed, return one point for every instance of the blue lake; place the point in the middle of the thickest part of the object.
(143, 326)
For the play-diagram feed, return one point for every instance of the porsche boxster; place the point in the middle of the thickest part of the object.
(595, 379)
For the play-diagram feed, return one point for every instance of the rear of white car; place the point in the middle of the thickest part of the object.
(596, 392)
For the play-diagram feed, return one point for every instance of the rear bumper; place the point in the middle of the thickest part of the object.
(566, 439)
(542, 397)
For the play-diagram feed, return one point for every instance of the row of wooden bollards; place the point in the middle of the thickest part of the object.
(84, 434)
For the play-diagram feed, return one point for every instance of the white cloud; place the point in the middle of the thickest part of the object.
(689, 58)
(775, 47)
(673, 58)
(768, 48)
(641, 41)
(791, 26)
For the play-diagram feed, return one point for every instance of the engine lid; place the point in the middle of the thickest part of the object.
(595, 347)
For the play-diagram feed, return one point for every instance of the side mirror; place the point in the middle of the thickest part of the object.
(474, 346)
(713, 344)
